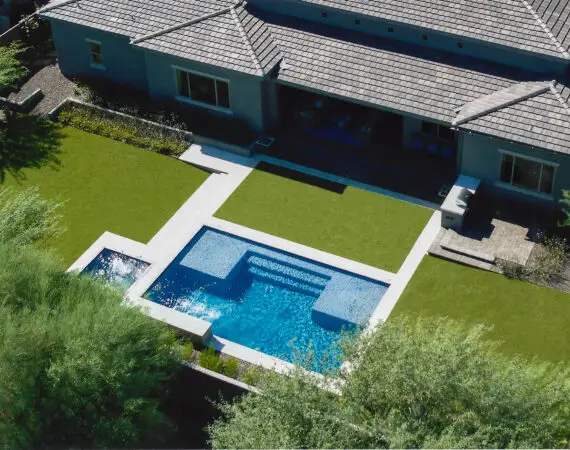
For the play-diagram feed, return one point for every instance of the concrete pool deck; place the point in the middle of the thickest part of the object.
(228, 172)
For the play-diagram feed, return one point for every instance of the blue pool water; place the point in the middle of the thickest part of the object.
(263, 298)
(116, 269)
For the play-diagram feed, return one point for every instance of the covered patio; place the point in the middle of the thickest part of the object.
(365, 144)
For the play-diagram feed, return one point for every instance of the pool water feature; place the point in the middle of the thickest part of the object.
(264, 298)
(116, 269)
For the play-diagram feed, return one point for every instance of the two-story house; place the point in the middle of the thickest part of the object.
(480, 84)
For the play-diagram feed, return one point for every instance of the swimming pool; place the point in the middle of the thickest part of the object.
(116, 269)
(264, 298)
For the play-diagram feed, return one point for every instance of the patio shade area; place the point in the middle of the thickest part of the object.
(528, 319)
(107, 186)
(353, 223)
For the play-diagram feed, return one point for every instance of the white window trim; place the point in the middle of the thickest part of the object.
(530, 158)
(188, 100)
(522, 190)
(94, 64)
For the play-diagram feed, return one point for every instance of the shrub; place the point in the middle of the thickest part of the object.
(251, 376)
(512, 270)
(231, 367)
(26, 218)
(425, 383)
(78, 368)
(11, 69)
(549, 258)
(125, 129)
(188, 352)
(209, 359)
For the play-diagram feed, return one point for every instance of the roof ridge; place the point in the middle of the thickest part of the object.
(493, 102)
(547, 30)
(49, 7)
(557, 94)
(184, 24)
(245, 38)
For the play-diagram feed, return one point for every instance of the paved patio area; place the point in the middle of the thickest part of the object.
(482, 247)
(494, 230)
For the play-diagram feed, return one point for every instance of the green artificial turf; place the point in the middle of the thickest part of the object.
(529, 319)
(349, 222)
(108, 186)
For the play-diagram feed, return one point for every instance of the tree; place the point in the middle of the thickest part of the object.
(423, 383)
(11, 69)
(78, 368)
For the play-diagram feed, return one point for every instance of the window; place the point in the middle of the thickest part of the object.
(526, 173)
(96, 54)
(436, 130)
(203, 89)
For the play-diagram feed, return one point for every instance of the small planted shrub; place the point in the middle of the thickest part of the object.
(251, 376)
(210, 360)
(188, 352)
(125, 129)
(549, 259)
(513, 270)
(231, 367)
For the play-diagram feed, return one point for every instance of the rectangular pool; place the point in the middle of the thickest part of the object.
(264, 298)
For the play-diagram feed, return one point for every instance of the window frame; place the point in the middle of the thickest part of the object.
(191, 101)
(542, 162)
(94, 64)
(437, 134)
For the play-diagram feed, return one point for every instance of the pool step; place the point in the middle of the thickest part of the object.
(295, 273)
(284, 281)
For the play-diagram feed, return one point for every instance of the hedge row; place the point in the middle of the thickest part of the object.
(125, 129)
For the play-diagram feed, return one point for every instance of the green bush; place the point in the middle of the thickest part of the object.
(124, 129)
(231, 367)
(78, 368)
(11, 69)
(251, 376)
(209, 359)
(188, 352)
(423, 383)
(26, 218)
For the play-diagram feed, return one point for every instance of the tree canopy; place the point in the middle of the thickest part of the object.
(414, 383)
(77, 367)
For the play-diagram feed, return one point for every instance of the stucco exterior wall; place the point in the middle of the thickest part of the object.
(408, 33)
(245, 90)
(123, 63)
(481, 158)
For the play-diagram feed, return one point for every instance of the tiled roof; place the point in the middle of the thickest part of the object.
(382, 72)
(417, 81)
(394, 75)
(503, 22)
(556, 15)
(134, 18)
(542, 121)
(219, 32)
